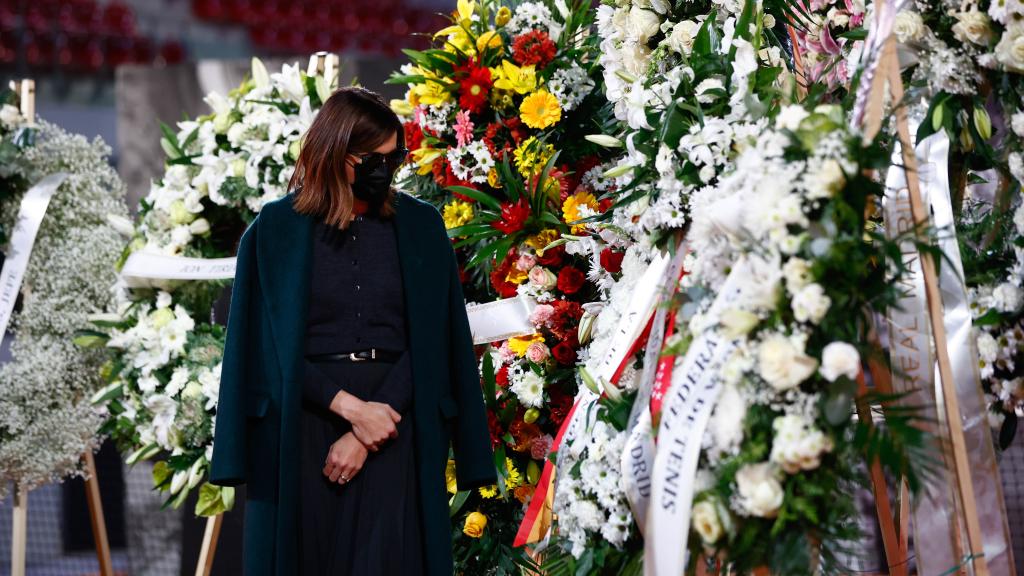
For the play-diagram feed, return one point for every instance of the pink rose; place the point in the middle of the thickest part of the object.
(537, 352)
(540, 447)
(541, 315)
(542, 277)
(526, 262)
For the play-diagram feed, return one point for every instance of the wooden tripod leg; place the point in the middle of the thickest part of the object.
(99, 524)
(205, 565)
(890, 541)
(19, 532)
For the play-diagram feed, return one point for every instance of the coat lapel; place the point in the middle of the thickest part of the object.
(285, 239)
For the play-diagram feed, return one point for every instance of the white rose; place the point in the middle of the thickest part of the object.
(683, 35)
(782, 364)
(642, 25)
(790, 117)
(1017, 123)
(706, 523)
(973, 26)
(797, 273)
(1010, 49)
(908, 27)
(797, 444)
(810, 304)
(10, 116)
(736, 322)
(839, 359)
(988, 348)
(759, 491)
(1007, 297)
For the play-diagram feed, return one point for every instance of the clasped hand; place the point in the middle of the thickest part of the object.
(373, 424)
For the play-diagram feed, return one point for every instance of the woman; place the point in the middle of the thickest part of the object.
(348, 366)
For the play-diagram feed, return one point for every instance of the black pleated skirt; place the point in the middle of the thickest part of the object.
(369, 526)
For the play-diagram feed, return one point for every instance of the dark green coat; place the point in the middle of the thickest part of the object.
(258, 416)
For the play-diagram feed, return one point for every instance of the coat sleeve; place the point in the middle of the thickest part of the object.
(471, 440)
(228, 464)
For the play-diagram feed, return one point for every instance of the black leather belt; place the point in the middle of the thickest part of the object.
(371, 355)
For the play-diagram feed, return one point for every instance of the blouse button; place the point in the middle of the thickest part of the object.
(357, 286)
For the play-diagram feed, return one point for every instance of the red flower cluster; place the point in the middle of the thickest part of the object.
(533, 47)
(513, 216)
(504, 288)
(414, 135)
(508, 132)
(571, 279)
(474, 86)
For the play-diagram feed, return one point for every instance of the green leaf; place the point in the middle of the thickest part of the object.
(85, 338)
(107, 393)
(482, 197)
(457, 501)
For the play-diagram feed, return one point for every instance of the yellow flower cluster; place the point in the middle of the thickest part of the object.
(531, 155)
(519, 344)
(457, 213)
(513, 480)
(571, 208)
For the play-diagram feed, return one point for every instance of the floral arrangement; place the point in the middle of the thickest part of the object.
(968, 68)
(46, 420)
(495, 117)
(163, 376)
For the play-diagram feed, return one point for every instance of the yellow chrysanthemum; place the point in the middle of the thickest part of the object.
(514, 478)
(492, 178)
(521, 80)
(489, 491)
(531, 154)
(571, 208)
(540, 110)
(457, 213)
(541, 239)
(519, 344)
(449, 477)
(516, 276)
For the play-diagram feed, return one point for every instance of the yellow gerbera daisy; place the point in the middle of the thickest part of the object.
(456, 213)
(519, 344)
(540, 110)
(571, 208)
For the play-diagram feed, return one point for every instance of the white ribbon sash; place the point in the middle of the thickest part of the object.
(501, 319)
(23, 239)
(638, 453)
(633, 320)
(686, 411)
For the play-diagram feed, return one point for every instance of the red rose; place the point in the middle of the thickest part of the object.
(570, 279)
(513, 216)
(534, 47)
(611, 260)
(564, 353)
(552, 257)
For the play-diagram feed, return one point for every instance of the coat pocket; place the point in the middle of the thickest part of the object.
(256, 405)
(449, 408)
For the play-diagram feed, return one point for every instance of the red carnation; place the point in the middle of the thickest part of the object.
(565, 319)
(474, 87)
(564, 353)
(570, 279)
(534, 47)
(540, 447)
(611, 260)
(513, 216)
(413, 135)
(501, 377)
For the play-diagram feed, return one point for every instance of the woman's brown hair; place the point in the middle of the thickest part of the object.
(352, 121)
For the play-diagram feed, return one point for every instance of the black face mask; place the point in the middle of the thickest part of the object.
(373, 175)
